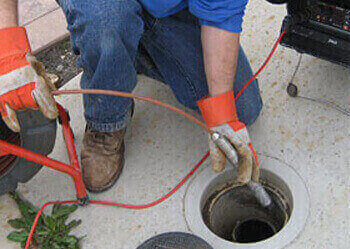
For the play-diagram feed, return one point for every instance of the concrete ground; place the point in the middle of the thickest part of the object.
(161, 147)
(44, 22)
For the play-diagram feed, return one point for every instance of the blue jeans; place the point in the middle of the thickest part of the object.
(116, 39)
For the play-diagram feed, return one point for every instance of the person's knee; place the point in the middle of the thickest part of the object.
(189, 102)
(254, 114)
(188, 94)
(249, 109)
(121, 15)
(92, 21)
(101, 28)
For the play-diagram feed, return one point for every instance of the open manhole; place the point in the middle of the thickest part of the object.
(230, 216)
(234, 214)
(6, 161)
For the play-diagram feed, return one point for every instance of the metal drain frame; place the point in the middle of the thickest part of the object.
(193, 204)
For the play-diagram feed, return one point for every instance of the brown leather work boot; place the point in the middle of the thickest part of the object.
(102, 159)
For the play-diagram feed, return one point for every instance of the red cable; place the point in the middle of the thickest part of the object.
(160, 200)
(134, 96)
(129, 206)
(262, 67)
(32, 229)
(179, 185)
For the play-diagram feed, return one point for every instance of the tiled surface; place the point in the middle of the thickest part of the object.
(30, 10)
(161, 147)
(47, 30)
(44, 21)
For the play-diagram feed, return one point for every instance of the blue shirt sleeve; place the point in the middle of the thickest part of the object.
(223, 14)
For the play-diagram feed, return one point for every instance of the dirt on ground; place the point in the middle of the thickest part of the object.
(59, 59)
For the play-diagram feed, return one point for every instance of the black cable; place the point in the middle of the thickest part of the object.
(328, 103)
(296, 69)
(292, 90)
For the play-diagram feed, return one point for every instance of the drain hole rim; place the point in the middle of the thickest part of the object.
(220, 214)
(301, 206)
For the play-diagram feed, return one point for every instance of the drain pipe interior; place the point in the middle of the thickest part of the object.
(232, 156)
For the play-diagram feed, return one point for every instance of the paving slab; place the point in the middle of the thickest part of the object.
(44, 21)
(29, 10)
(46, 30)
(161, 146)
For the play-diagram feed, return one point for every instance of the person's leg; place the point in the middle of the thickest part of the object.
(249, 103)
(105, 35)
(174, 44)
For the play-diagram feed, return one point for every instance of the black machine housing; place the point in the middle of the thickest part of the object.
(318, 27)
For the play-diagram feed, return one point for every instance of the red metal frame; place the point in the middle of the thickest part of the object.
(73, 170)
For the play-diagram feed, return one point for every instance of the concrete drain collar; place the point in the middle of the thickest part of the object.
(228, 216)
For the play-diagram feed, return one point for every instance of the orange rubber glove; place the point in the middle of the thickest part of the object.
(219, 113)
(23, 82)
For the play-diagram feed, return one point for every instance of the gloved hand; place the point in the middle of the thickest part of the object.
(23, 82)
(219, 113)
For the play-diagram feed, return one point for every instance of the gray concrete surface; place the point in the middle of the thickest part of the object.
(161, 147)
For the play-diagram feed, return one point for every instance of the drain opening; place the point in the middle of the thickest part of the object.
(6, 161)
(253, 230)
(234, 214)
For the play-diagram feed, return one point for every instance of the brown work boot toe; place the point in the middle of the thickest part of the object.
(102, 159)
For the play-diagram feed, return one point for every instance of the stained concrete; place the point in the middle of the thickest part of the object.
(161, 147)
